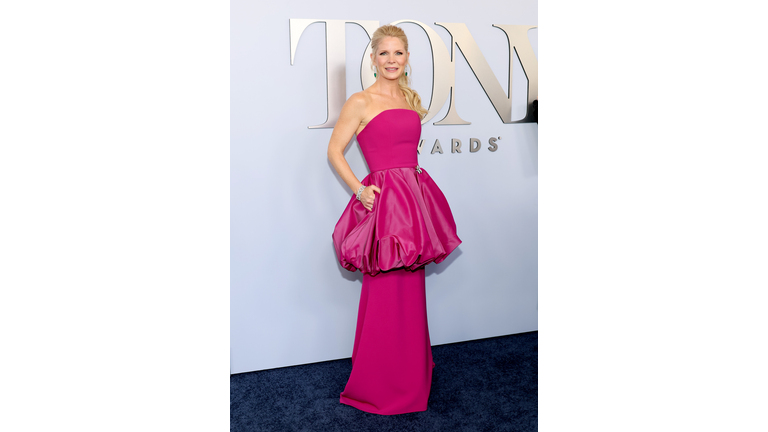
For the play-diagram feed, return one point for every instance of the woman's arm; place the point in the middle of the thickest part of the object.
(352, 114)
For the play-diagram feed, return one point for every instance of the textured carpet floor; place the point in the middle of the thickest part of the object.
(484, 385)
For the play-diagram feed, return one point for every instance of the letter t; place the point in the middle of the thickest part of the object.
(335, 60)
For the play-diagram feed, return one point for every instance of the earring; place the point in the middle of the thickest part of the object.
(374, 74)
(406, 74)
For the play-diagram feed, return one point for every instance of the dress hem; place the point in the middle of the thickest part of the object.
(365, 407)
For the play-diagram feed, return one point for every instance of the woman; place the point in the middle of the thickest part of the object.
(397, 222)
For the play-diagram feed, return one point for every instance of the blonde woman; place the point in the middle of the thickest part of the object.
(397, 222)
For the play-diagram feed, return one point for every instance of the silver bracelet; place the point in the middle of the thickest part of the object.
(359, 191)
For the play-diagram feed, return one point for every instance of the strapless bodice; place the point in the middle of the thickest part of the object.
(391, 140)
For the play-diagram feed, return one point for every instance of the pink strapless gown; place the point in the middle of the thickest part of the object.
(410, 226)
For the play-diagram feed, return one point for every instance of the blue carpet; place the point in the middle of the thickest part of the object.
(483, 385)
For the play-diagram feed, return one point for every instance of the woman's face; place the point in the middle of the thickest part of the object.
(390, 58)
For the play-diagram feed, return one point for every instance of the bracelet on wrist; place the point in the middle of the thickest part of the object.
(359, 191)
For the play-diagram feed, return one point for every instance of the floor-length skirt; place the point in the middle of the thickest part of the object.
(392, 354)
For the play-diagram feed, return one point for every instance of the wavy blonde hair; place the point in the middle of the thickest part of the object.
(411, 97)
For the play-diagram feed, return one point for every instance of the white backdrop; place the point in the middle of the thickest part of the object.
(291, 302)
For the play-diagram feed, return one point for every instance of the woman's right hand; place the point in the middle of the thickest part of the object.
(367, 196)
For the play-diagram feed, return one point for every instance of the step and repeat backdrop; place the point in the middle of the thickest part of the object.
(293, 64)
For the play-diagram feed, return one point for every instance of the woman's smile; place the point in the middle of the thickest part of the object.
(391, 57)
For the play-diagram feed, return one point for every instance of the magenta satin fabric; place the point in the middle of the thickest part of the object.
(411, 224)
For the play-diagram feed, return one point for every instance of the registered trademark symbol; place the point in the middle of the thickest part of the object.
(499, 137)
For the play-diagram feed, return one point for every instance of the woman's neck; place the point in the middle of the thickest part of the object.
(388, 88)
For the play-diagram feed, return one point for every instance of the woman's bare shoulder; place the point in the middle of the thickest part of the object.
(356, 107)
(359, 100)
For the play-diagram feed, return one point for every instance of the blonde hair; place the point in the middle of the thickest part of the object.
(411, 97)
